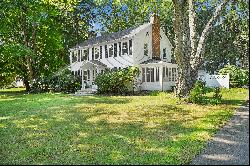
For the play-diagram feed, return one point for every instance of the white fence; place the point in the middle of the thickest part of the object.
(215, 80)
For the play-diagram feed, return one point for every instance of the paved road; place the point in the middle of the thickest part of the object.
(230, 146)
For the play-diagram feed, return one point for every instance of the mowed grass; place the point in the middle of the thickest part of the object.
(62, 129)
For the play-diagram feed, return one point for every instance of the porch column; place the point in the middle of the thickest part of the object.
(161, 76)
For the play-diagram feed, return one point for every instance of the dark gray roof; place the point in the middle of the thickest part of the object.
(98, 63)
(108, 37)
(151, 61)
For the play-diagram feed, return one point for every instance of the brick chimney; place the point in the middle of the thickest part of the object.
(154, 20)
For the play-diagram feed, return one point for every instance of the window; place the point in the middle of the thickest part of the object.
(120, 48)
(96, 52)
(85, 55)
(124, 48)
(88, 74)
(163, 73)
(111, 50)
(152, 71)
(164, 53)
(157, 74)
(85, 75)
(130, 47)
(147, 33)
(78, 72)
(79, 56)
(146, 49)
(93, 51)
(115, 49)
(143, 74)
(72, 72)
(100, 52)
(82, 56)
(169, 74)
(106, 51)
(74, 57)
(166, 73)
(148, 74)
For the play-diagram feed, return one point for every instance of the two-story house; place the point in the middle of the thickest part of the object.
(145, 46)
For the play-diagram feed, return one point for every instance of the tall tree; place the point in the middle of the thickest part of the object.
(189, 46)
(36, 35)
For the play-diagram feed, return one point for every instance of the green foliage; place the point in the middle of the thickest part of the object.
(197, 94)
(216, 96)
(238, 76)
(60, 81)
(117, 82)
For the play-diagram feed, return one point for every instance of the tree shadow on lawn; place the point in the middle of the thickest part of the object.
(142, 138)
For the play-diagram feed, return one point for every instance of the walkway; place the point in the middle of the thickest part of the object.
(230, 146)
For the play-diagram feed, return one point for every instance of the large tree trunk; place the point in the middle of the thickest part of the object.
(188, 48)
(26, 84)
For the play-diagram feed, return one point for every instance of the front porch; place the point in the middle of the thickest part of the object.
(90, 69)
(158, 75)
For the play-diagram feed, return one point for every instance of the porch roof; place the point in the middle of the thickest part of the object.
(157, 63)
(92, 63)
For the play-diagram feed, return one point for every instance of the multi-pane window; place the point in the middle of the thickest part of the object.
(96, 52)
(100, 52)
(106, 51)
(111, 50)
(146, 49)
(164, 53)
(124, 48)
(120, 48)
(130, 47)
(115, 49)
(93, 51)
(149, 76)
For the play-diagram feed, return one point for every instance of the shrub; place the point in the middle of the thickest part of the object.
(197, 94)
(60, 81)
(117, 82)
(216, 96)
(238, 77)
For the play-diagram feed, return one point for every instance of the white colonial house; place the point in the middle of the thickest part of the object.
(145, 46)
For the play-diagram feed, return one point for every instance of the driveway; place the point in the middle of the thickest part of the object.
(230, 146)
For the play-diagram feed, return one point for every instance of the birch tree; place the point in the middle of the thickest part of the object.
(189, 46)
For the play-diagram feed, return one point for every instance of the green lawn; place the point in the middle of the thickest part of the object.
(62, 129)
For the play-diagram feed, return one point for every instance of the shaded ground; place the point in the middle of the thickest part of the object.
(230, 146)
